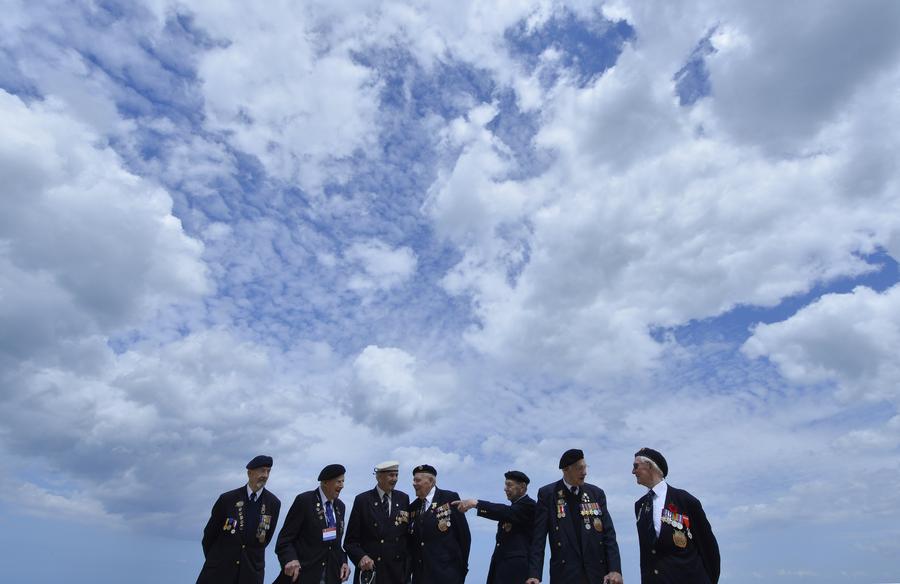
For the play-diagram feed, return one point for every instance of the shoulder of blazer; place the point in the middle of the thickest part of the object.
(594, 490)
(270, 497)
(526, 500)
(682, 496)
(549, 491)
(442, 496)
(369, 496)
(401, 496)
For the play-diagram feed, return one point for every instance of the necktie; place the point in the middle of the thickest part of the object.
(329, 515)
(647, 517)
(387, 504)
(575, 516)
(253, 497)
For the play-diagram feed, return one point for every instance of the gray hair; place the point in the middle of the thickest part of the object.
(652, 464)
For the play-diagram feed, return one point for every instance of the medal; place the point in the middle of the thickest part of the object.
(598, 525)
(679, 539)
(443, 525)
(507, 527)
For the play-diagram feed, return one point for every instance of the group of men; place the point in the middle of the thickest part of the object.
(392, 540)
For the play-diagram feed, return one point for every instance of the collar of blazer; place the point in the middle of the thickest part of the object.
(376, 500)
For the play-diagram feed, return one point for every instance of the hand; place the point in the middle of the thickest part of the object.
(612, 578)
(292, 569)
(465, 504)
(366, 563)
(345, 572)
(532, 581)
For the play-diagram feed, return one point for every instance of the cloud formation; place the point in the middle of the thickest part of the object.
(472, 235)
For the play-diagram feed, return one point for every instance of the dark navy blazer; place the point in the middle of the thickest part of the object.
(438, 557)
(301, 539)
(383, 539)
(594, 554)
(663, 562)
(237, 557)
(515, 524)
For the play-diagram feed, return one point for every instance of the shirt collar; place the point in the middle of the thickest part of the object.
(660, 488)
(258, 494)
(381, 493)
(569, 487)
(429, 498)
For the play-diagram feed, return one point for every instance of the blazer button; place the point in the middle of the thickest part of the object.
(564, 561)
(653, 552)
(378, 559)
(243, 546)
(382, 541)
(237, 561)
(422, 544)
(557, 528)
(497, 545)
(656, 571)
(559, 544)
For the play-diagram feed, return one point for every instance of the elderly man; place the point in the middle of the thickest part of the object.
(677, 542)
(583, 548)
(515, 524)
(377, 530)
(309, 544)
(239, 529)
(439, 537)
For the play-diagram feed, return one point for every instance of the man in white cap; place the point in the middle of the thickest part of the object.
(377, 530)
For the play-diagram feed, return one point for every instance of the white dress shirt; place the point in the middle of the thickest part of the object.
(659, 501)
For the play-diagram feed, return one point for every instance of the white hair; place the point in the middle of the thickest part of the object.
(652, 464)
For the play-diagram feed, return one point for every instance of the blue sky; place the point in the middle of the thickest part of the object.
(472, 235)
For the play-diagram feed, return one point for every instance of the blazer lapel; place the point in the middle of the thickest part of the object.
(566, 524)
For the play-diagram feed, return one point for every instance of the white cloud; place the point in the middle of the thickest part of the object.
(283, 91)
(849, 339)
(392, 391)
(380, 266)
(85, 246)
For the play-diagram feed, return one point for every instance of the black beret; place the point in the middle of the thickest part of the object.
(655, 457)
(425, 468)
(516, 475)
(570, 456)
(260, 461)
(332, 471)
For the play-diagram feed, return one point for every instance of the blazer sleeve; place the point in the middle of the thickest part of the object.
(706, 541)
(539, 537)
(343, 553)
(352, 540)
(214, 525)
(284, 545)
(276, 511)
(463, 535)
(610, 545)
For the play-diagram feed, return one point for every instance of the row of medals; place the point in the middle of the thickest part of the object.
(443, 516)
(675, 520)
(264, 521)
(590, 512)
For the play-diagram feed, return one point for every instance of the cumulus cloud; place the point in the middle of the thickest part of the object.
(392, 390)
(426, 246)
(650, 215)
(283, 92)
(380, 267)
(81, 238)
(848, 339)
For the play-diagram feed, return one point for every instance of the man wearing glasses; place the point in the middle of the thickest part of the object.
(573, 514)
